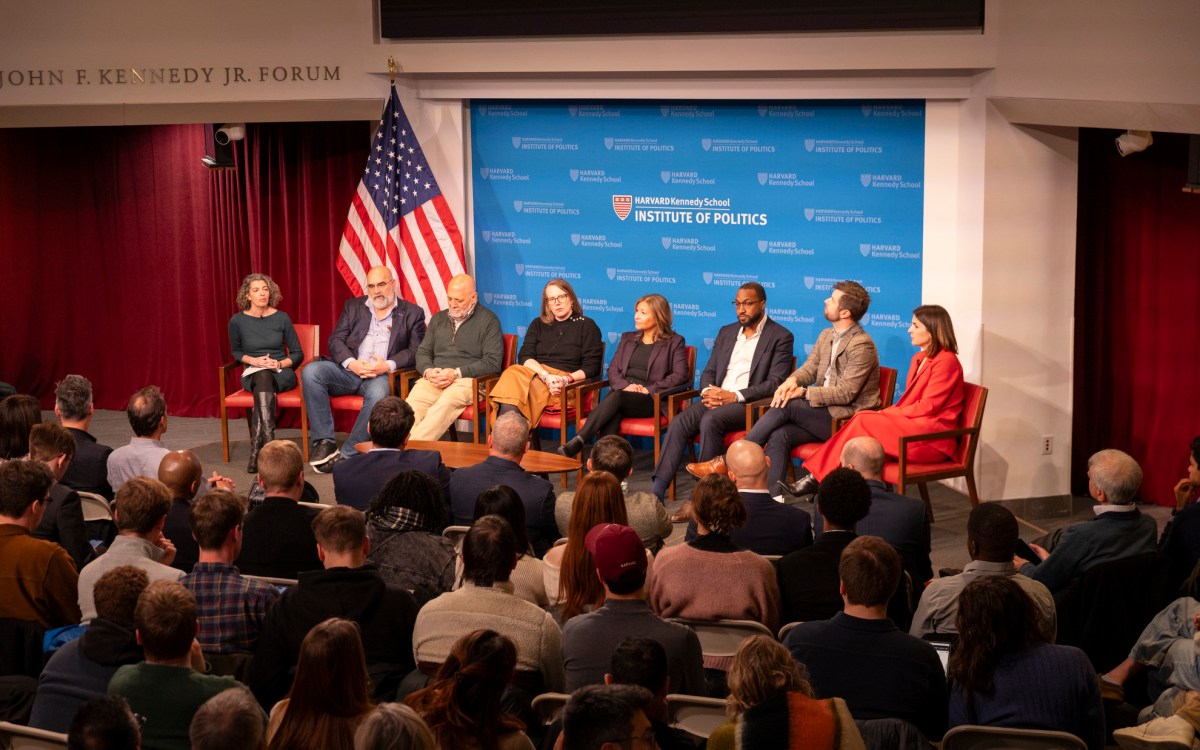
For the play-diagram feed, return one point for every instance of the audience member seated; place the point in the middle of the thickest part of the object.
(404, 525)
(711, 577)
(147, 412)
(770, 527)
(231, 607)
(18, 414)
(462, 706)
(105, 723)
(506, 447)
(277, 538)
(359, 478)
(230, 720)
(140, 510)
(180, 471)
(808, 578)
(1180, 541)
(82, 668)
(992, 536)
(859, 655)
(647, 516)
(1167, 648)
(1175, 732)
(489, 555)
(898, 520)
(1118, 530)
(393, 726)
(570, 578)
(62, 521)
(643, 662)
(528, 578)
(1005, 673)
(169, 686)
(590, 639)
(330, 694)
(601, 716)
(771, 704)
(349, 587)
(74, 408)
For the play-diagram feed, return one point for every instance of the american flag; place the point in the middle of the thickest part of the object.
(399, 219)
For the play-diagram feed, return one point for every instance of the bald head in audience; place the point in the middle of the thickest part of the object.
(180, 471)
(864, 455)
(747, 465)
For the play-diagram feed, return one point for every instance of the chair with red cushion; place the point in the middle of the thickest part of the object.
(560, 412)
(476, 413)
(887, 393)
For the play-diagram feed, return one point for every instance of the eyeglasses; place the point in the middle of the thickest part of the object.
(559, 298)
(746, 303)
(380, 285)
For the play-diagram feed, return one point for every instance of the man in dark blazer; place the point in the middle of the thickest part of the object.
(62, 518)
(375, 334)
(358, 479)
(277, 536)
(506, 448)
(750, 358)
(88, 471)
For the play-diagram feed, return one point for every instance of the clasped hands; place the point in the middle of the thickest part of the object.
(714, 397)
(441, 377)
(267, 363)
(368, 368)
(555, 382)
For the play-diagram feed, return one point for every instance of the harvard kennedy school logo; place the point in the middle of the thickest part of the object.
(621, 205)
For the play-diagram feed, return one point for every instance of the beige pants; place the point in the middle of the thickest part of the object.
(436, 409)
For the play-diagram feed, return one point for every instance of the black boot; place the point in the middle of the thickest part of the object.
(806, 485)
(572, 447)
(252, 420)
(263, 423)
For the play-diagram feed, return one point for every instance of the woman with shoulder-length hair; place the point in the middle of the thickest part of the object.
(330, 695)
(264, 340)
(562, 346)
(528, 578)
(18, 414)
(650, 359)
(771, 704)
(932, 402)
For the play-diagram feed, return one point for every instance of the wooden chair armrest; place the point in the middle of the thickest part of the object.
(585, 387)
(928, 436)
(407, 377)
(572, 394)
(674, 399)
(755, 409)
(485, 382)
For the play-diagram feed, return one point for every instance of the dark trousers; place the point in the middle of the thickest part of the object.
(710, 424)
(782, 428)
(606, 418)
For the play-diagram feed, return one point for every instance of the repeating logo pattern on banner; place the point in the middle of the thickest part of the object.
(692, 200)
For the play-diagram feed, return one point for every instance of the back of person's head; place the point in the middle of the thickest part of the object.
(104, 723)
(280, 464)
(48, 441)
(619, 557)
(598, 500)
(166, 622)
(331, 689)
(340, 528)
(22, 483)
(613, 454)
(393, 726)
(597, 714)
(18, 414)
(502, 500)
(489, 551)
(1116, 474)
(412, 496)
(73, 398)
(391, 421)
(117, 592)
(994, 531)
(865, 454)
(180, 471)
(717, 506)
(855, 298)
(140, 505)
(214, 515)
(870, 571)
(844, 497)
(747, 464)
(641, 662)
(995, 618)
(510, 434)
(230, 720)
(762, 668)
(146, 410)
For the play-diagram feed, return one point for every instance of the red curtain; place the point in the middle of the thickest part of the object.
(122, 254)
(1137, 309)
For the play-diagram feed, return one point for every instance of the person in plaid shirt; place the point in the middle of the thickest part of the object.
(231, 607)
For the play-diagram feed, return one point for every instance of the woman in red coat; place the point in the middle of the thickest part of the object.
(932, 402)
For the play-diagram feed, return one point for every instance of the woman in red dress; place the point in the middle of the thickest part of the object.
(932, 402)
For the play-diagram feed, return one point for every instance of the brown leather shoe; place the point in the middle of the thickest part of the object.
(684, 514)
(704, 468)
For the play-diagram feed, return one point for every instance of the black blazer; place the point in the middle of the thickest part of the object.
(178, 529)
(357, 480)
(808, 579)
(62, 523)
(771, 528)
(278, 540)
(772, 360)
(88, 471)
(536, 493)
(901, 522)
(667, 368)
(408, 329)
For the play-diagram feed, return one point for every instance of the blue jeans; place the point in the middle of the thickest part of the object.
(1167, 648)
(324, 379)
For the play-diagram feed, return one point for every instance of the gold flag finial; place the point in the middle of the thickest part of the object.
(392, 69)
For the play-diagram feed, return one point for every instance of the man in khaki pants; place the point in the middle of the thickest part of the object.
(461, 342)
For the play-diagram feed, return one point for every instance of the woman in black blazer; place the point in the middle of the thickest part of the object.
(651, 359)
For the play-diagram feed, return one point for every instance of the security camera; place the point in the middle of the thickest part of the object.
(236, 132)
(1133, 141)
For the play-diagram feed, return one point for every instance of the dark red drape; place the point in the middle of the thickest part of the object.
(121, 253)
(1137, 309)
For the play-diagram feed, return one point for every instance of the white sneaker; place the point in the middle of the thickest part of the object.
(1171, 733)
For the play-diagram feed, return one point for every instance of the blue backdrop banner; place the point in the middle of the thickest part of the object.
(691, 201)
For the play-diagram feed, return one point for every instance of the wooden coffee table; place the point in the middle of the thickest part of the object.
(460, 455)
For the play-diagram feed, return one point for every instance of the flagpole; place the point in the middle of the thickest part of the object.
(392, 69)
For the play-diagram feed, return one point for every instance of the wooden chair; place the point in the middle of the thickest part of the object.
(475, 413)
(962, 464)
(887, 394)
(971, 737)
(241, 399)
(561, 413)
(354, 402)
(17, 737)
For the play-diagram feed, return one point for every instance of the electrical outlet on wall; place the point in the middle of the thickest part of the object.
(1047, 445)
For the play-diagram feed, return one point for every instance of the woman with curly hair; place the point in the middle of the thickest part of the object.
(463, 703)
(405, 523)
(264, 340)
(771, 704)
